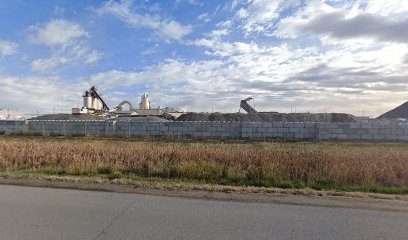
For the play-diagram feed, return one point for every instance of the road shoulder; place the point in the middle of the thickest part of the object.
(226, 194)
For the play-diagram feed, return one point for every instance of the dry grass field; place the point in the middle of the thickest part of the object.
(372, 167)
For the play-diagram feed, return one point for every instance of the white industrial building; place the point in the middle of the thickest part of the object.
(6, 114)
(94, 104)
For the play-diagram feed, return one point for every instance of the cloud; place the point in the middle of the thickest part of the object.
(166, 29)
(205, 18)
(192, 2)
(67, 41)
(260, 15)
(336, 25)
(7, 48)
(74, 55)
(278, 76)
(340, 56)
(57, 32)
(33, 94)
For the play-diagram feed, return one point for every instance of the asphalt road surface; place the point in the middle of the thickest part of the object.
(46, 213)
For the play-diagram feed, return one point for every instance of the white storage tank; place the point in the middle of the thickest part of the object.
(144, 103)
(87, 101)
(96, 104)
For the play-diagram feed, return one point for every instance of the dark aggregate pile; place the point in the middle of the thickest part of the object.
(398, 112)
(63, 116)
(268, 117)
(142, 119)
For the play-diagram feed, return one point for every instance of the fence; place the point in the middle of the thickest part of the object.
(227, 130)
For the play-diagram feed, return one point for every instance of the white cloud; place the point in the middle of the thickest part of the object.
(7, 48)
(260, 15)
(318, 74)
(340, 67)
(57, 32)
(68, 43)
(205, 18)
(192, 2)
(33, 94)
(337, 25)
(166, 29)
(92, 57)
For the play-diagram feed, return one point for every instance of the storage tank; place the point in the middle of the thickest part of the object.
(96, 104)
(144, 103)
(87, 100)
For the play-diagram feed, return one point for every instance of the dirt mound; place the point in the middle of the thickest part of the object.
(268, 117)
(398, 112)
(68, 117)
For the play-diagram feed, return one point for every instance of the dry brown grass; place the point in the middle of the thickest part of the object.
(261, 164)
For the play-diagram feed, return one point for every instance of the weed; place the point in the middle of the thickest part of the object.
(371, 167)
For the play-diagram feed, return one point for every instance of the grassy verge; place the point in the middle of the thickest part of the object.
(347, 167)
(107, 175)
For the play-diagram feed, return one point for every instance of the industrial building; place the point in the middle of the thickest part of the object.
(94, 104)
(6, 114)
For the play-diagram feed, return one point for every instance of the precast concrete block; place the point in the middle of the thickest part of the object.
(373, 131)
(150, 128)
(289, 135)
(164, 128)
(293, 130)
(299, 135)
(175, 130)
(182, 129)
(246, 135)
(367, 137)
(206, 134)
(309, 136)
(277, 124)
(355, 125)
(216, 124)
(247, 125)
(341, 136)
(323, 136)
(247, 130)
(220, 129)
(366, 125)
(403, 137)
(272, 130)
(206, 124)
(397, 131)
(309, 125)
(354, 136)
(336, 131)
(379, 137)
(299, 125)
(282, 130)
(191, 128)
(267, 124)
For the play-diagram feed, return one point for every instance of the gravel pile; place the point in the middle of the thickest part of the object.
(398, 112)
(68, 117)
(142, 119)
(268, 117)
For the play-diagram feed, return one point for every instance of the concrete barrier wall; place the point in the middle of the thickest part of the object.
(227, 130)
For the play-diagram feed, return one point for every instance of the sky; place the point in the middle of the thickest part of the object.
(206, 55)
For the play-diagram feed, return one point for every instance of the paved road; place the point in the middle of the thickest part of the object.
(45, 213)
